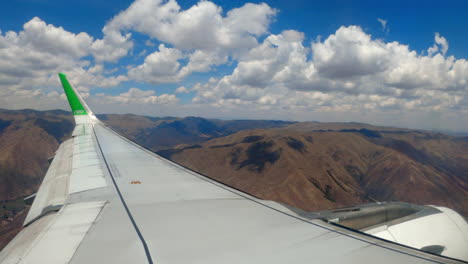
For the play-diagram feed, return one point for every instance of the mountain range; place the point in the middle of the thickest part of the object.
(316, 166)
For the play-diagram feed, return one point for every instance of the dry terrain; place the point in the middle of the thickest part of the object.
(27, 139)
(321, 166)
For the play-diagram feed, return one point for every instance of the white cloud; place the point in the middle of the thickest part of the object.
(432, 50)
(200, 33)
(440, 42)
(113, 46)
(30, 60)
(202, 26)
(48, 38)
(182, 89)
(250, 18)
(159, 67)
(164, 66)
(348, 71)
(202, 60)
(350, 52)
(38, 49)
(137, 96)
(98, 68)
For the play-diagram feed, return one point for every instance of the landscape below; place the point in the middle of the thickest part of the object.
(309, 165)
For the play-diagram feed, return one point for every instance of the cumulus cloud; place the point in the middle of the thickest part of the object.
(137, 96)
(48, 38)
(182, 89)
(165, 66)
(441, 44)
(113, 46)
(31, 58)
(38, 48)
(202, 26)
(347, 71)
(200, 33)
(350, 52)
(202, 60)
(159, 67)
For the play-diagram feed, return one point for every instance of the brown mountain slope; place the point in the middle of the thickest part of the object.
(334, 166)
(26, 143)
(27, 139)
(158, 133)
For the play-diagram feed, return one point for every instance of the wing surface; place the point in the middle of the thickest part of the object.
(105, 199)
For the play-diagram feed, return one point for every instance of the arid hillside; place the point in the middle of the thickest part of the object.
(316, 166)
(27, 139)
(158, 133)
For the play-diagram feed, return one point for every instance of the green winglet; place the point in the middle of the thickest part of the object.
(73, 100)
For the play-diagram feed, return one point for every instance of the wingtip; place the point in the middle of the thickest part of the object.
(75, 101)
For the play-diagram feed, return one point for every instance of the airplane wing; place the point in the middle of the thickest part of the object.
(105, 199)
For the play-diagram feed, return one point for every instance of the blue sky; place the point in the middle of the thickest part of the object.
(295, 60)
(412, 22)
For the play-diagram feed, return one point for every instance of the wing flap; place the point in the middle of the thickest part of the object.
(53, 191)
(77, 167)
(55, 238)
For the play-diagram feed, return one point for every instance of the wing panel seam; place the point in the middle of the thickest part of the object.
(132, 220)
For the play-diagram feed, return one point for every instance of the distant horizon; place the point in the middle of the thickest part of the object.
(447, 132)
